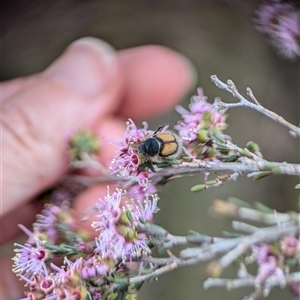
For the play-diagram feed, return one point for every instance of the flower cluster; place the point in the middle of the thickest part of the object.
(275, 262)
(57, 221)
(280, 20)
(197, 131)
(267, 265)
(52, 227)
(118, 215)
(55, 234)
(71, 281)
(127, 162)
(199, 125)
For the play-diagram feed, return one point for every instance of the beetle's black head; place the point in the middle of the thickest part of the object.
(149, 147)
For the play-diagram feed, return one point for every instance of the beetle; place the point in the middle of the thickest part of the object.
(161, 146)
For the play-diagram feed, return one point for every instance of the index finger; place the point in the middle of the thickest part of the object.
(156, 78)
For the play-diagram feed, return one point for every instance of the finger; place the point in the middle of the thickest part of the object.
(80, 87)
(110, 132)
(13, 86)
(156, 79)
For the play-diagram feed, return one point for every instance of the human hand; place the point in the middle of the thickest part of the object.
(89, 87)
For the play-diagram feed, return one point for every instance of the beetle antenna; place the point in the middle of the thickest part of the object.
(167, 124)
(159, 128)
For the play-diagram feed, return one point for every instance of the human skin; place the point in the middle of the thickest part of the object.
(89, 87)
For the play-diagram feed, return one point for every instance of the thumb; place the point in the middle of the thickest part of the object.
(81, 86)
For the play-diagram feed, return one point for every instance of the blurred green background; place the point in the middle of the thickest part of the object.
(220, 38)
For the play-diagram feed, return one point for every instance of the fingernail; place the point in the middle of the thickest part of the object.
(86, 66)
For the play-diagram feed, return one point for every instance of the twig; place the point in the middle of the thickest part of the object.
(166, 240)
(231, 284)
(90, 181)
(243, 102)
(208, 252)
(78, 183)
(230, 146)
(173, 264)
(241, 226)
(268, 234)
(198, 166)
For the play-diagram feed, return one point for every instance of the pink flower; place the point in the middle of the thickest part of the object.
(269, 270)
(267, 266)
(127, 161)
(287, 35)
(290, 246)
(269, 13)
(93, 268)
(193, 120)
(31, 260)
(199, 127)
(281, 21)
(117, 219)
(143, 188)
(109, 210)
